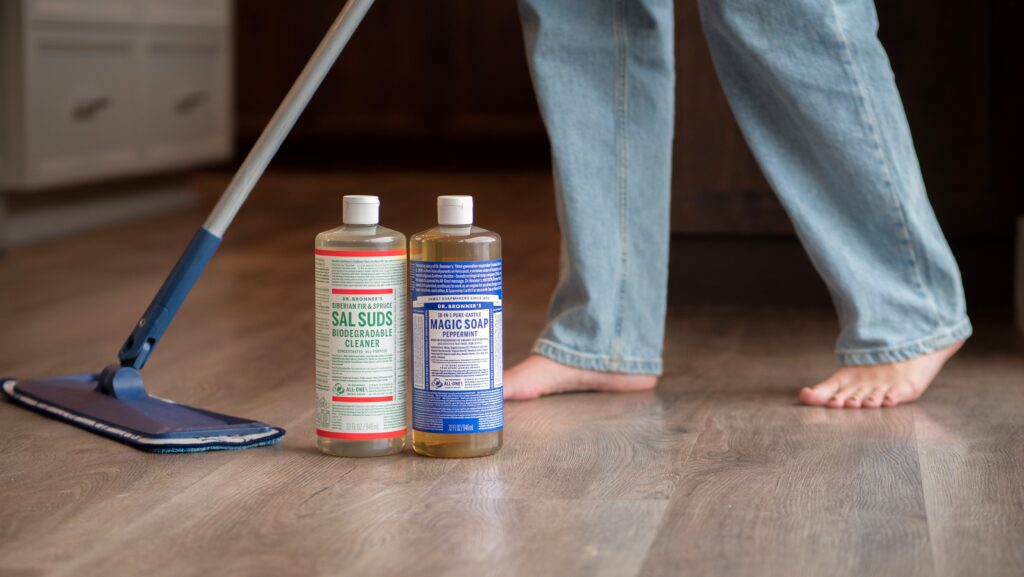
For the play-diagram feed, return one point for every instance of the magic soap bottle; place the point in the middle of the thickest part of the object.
(455, 280)
(360, 334)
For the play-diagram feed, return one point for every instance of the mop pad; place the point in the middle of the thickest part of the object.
(201, 431)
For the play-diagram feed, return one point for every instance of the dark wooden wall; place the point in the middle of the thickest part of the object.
(450, 75)
(430, 72)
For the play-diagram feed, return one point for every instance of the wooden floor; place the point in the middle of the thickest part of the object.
(718, 472)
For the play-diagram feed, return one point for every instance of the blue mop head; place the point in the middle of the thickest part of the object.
(140, 420)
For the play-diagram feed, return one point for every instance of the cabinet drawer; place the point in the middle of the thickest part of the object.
(194, 12)
(186, 110)
(80, 107)
(83, 10)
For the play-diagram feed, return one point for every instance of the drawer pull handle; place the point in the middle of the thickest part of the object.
(89, 108)
(189, 102)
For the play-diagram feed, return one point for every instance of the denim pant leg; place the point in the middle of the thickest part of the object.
(604, 76)
(812, 90)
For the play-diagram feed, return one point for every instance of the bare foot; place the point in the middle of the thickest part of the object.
(538, 376)
(874, 386)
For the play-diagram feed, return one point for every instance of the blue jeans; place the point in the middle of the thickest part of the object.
(812, 90)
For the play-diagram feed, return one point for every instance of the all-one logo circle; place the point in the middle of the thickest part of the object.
(437, 383)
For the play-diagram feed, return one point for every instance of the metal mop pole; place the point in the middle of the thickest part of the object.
(183, 276)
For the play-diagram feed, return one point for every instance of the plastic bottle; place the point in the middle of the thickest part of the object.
(455, 268)
(360, 334)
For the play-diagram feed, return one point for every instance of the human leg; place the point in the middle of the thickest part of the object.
(604, 76)
(811, 88)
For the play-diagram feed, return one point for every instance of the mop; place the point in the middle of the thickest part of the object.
(114, 402)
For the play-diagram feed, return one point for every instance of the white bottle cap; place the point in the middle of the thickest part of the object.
(455, 210)
(360, 209)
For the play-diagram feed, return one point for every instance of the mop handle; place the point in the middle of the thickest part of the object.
(147, 332)
(287, 113)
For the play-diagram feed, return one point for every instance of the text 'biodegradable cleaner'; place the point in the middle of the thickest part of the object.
(457, 395)
(360, 334)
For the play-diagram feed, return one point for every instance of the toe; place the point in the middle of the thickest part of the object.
(819, 394)
(838, 400)
(901, 393)
(874, 398)
(856, 400)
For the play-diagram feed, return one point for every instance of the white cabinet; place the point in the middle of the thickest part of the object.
(185, 100)
(199, 12)
(62, 11)
(81, 108)
(98, 89)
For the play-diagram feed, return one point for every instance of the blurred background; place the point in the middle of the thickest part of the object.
(110, 110)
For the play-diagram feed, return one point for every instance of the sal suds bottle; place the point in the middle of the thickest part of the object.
(360, 334)
(457, 396)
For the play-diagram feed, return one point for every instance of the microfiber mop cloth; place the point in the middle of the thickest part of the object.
(137, 422)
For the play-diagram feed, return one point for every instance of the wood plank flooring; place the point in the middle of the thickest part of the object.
(717, 472)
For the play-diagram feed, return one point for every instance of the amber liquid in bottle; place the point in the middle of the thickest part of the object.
(456, 243)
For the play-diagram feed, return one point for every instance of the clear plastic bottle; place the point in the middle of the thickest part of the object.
(455, 270)
(360, 334)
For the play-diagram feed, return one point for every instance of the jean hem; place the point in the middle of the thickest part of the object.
(937, 340)
(594, 362)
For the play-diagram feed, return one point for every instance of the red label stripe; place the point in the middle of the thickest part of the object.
(384, 291)
(360, 436)
(362, 399)
(325, 252)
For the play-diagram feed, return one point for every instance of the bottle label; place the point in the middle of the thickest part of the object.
(360, 344)
(457, 349)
